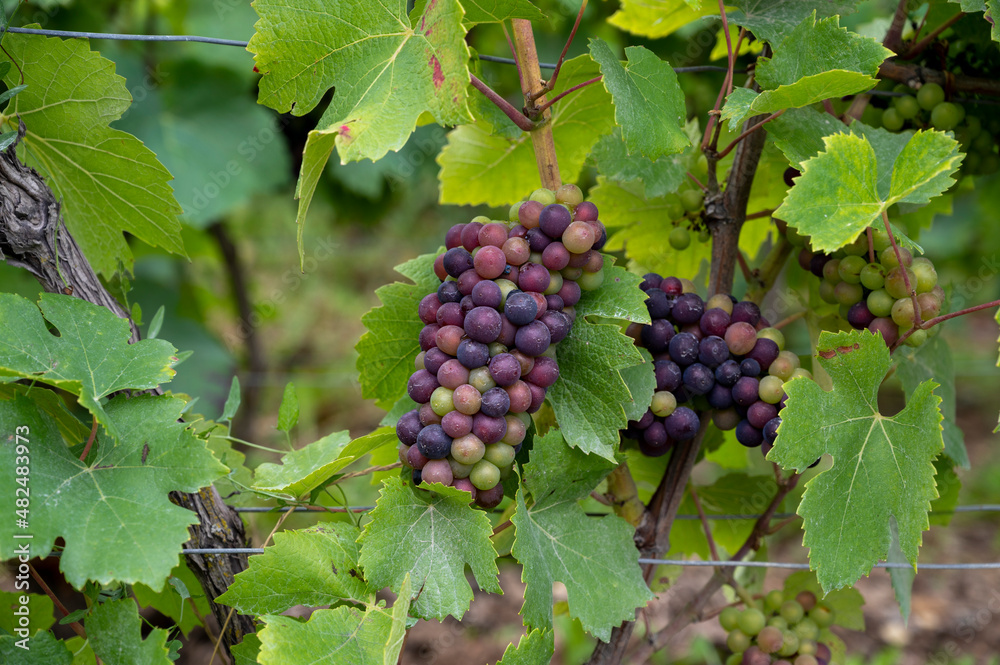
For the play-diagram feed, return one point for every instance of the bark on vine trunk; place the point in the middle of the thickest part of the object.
(34, 237)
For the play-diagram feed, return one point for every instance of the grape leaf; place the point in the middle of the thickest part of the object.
(431, 537)
(363, 51)
(649, 103)
(933, 360)
(738, 105)
(90, 358)
(288, 412)
(303, 470)
(807, 90)
(387, 350)
(772, 20)
(840, 191)
(400, 622)
(101, 509)
(247, 651)
(115, 632)
(40, 612)
(535, 648)
(661, 177)
(497, 11)
(595, 557)
(588, 397)
(171, 603)
(641, 384)
(52, 405)
(329, 637)
(882, 466)
(619, 297)
(107, 181)
(658, 18)
(41, 649)
(479, 168)
(315, 566)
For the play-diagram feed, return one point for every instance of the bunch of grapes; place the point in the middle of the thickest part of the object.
(783, 632)
(685, 212)
(873, 294)
(719, 355)
(929, 109)
(487, 348)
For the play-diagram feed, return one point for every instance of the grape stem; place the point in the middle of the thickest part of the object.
(871, 244)
(371, 469)
(944, 317)
(697, 182)
(762, 213)
(501, 527)
(789, 319)
(75, 625)
(728, 86)
(748, 132)
(551, 83)
(508, 109)
(566, 92)
(918, 48)
(90, 441)
(906, 277)
(531, 82)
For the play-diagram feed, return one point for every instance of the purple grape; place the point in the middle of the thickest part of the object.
(507, 332)
(672, 286)
(886, 326)
(698, 379)
(602, 239)
(533, 339)
(712, 351)
(570, 293)
(684, 349)
(420, 386)
(760, 413)
(491, 498)
(437, 471)
(657, 336)
(457, 261)
(408, 426)
(748, 435)
(654, 441)
(682, 424)
(483, 324)
(669, 375)
(658, 304)
(528, 213)
(555, 256)
(720, 397)
(859, 316)
(433, 360)
(448, 292)
(489, 429)
(535, 277)
(816, 264)
(450, 314)
(537, 240)
(433, 442)
(416, 476)
(505, 369)
(428, 307)
(728, 373)
(714, 322)
(645, 421)
(554, 220)
(764, 352)
(427, 416)
(495, 403)
(771, 429)
(487, 294)
(470, 235)
(521, 308)
(544, 373)
(650, 281)
(456, 424)
(745, 392)
(473, 354)
(490, 262)
(415, 459)
(558, 324)
(688, 308)
(745, 312)
(468, 280)
(453, 237)
(585, 212)
(428, 334)
(750, 367)
(467, 304)
(537, 396)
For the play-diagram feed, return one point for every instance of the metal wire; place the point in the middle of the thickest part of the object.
(303, 509)
(995, 565)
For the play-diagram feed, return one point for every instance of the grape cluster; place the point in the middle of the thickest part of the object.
(507, 296)
(685, 211)
(783, 632)
(873, 294)
(929, 109)
(719, 355)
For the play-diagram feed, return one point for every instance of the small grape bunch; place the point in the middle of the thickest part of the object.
(686, 215)
(718, 355)
(779, 631)
(507, 296)
(873, 294)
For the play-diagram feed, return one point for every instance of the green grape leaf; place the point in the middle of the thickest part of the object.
(431, 537)
(618, 297)
(535, 648)
(303, 470)
(772, 20)
(479, 168)
(933, 360)
(115, 632)
(247, 651)
(387, 350)
(52, 405)
(949, 485)
(882, 466)
(232, 404)
(595, 557)
(658, 18)
(641, 384)
(649, 103)
(42, 648)
(363, 52)
(497, 11)
(588, 397)
(329, 637)
(799, 133)
(661, 177)
(845, 603)
(738, 106)
(90, 358)
(400, 619)
(101, 508)
(546, 477)
(315, 566)
(171, 602)
(288, 412)
(107, 181)
(841, 191)
(39, 612)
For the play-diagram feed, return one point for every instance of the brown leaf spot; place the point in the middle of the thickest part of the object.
(827, 354)
(334, 568)
(438, 73)
(848, 349)
(145, 452)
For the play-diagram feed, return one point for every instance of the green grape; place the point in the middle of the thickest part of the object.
(773, 600)
(728, 618)
(570, 195)
(792, 611)
(880, 303)
(806, 629)
(974, 126)
(907, 107)
(679, 238)
(930, 95)
(499, 454)
(735, 659)
(512, 215)
(873, 276)
(480, 378)
(946, 116)
(543, 196)
(822, 616)
(857, 248)
(794, 238)
(506, 286)
(850, 269)
(902, 313)
(590, 280)
(807, 647)
(751, 621)
(826, 292)
(778, 622)
(831, 271)
(704, 235)
(720, 301)
(701, 165)
(737, 641)
(927, 277)
(663, 403)
(801, 372)
(895, 284)
(983, 142)
(771, 389)
(880, 239)
(848, 294)
(892, 121)
(889, 260)
(917, 338)
(673, 208)
(692, 200)
(441, 400)
(790, 644)
(783, 366)
(459, 470)
(774, 335)
(485, 475)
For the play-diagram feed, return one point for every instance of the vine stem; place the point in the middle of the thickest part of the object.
(729, 48)
(508, 109)
(566, 92)
(944, 317)
(894, 36)
(75, 625)
(906, 278)
(917, 48)
(531, 77)
(871, 244)
(729, 148)
(90, 440)
(562, 56)
(371, 469)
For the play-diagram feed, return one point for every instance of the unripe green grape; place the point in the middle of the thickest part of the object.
(826, 292)
(850, 269)
(570, 195)
(778, 622)
(442, 400)
(889, 259)
(782, 367)
(543, 196)
(930, 95)
(672, 207)
(679, 238)
(843, 311)
(468, 449)
(737, 641)
(701, 165)
(418, 362)
(459, 470)
(591, 280)
(983, 142)
(790, 644)
(512, 215)
(556, 283)
(907, 107)
(807, 647)
(720, 301)
(895, 283)
(857, 248)
(692, 200)
(499, 454)
(774, 335)
(806, 629)
(902, 313)
(506, 286)
(831, 271)
(918, 338)
(771, 389)
(795, 238)
(880, 239)
(496, 348)
(848, 294)
(946, 116)
(927, 276)
(687, 286)
(974, 126)
(792, 612)
(822, 616)
(663, 403)
(728, 618)
(751, 621)
(485, 475)
(773, 599)
(873, 276)
(880, 303)
(516, 430)
(704, 236)
(481, 380)
(892, 121)
(801, 372)
(481, 219)
(572, 273)
(735, 659)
